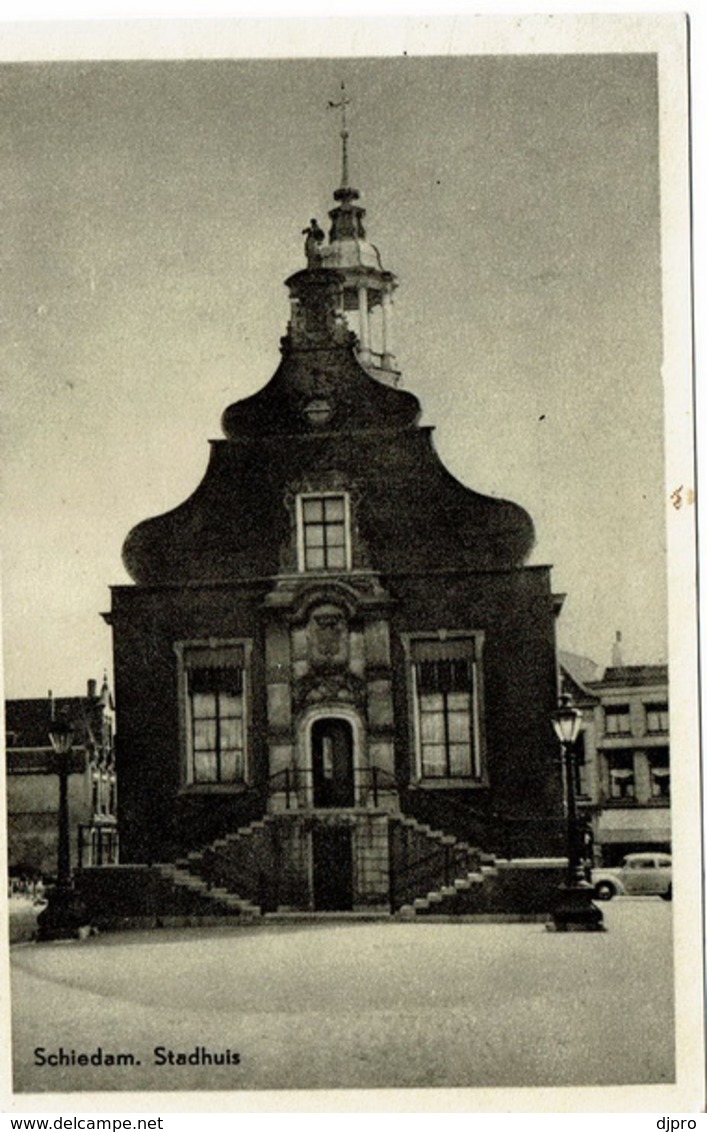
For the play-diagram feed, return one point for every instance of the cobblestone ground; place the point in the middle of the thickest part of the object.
(385, 1005)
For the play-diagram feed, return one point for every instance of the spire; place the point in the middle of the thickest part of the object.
(345, 291)
(617, 658)
(347, 218)
(341, 105)
(106, 699)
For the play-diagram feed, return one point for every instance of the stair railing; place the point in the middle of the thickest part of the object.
(506, 835)
(414, 873)
(372, 782)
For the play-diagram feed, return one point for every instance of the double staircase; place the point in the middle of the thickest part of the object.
(244, 874)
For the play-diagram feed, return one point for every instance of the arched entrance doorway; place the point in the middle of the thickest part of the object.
(332, 754)
(332, 748)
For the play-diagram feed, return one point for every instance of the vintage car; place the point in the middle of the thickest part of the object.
(641, 874)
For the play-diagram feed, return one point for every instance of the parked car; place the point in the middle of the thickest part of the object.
(641, 874)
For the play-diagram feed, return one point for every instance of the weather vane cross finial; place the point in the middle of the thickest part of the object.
(341, 105)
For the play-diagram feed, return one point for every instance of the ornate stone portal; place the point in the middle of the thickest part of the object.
(328, 654)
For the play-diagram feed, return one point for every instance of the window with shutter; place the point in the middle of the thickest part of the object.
(445, 693)
(215, 713)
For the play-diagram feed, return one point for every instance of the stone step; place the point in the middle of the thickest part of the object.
(242, 905)
(195, 883)
(413, 823)
(222, 896)
(373, 915)
(406, 912)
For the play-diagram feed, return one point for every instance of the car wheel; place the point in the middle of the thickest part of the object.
(604, 891)
(669, 894)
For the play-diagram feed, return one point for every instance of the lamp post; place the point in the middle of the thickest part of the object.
(574, 910)
(64, 916)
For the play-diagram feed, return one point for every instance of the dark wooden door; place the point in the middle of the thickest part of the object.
(332, 762)
(332, 868)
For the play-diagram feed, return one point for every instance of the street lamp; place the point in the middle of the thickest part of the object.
(64, 916)
(574, 910)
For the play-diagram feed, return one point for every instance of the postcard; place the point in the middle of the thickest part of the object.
(350, 622)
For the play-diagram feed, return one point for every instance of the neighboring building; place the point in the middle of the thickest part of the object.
(624, 758)
(334, 644)
(33, 783)
(633, 760)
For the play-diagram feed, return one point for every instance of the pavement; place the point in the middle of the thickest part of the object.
(359, 1005)
(22, 916)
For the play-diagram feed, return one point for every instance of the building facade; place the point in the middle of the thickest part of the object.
(334, 664)
(624, 764)
(33, 782)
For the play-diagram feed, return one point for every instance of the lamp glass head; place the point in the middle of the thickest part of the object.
(567, 721)
(61, 736)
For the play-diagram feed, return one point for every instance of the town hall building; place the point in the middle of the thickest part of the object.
(334, 671)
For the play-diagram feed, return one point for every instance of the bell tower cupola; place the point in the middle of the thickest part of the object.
(355, 277)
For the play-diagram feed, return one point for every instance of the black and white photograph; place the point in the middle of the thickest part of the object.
(348, 527)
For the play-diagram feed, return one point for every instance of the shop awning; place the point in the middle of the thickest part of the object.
(634, 825)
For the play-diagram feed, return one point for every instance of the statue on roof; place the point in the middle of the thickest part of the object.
(314, 237)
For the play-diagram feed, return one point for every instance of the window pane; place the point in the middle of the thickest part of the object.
(621, 784)
(327, 757)
(433, 762)
(204, 767)
(230, 706)
(458, 701)
(335, 535)
(203, 705)
(618, 721)
(458, 723)
(312, 510)
(314, 536)
(231, 766)
(314, 558)
(204, 735)
(336, 558)
(334, 508)
(431, 702)
(657, 717)
(231, 734)
(432, 727)
(459, 759)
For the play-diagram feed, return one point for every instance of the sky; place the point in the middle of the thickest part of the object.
(153, 209)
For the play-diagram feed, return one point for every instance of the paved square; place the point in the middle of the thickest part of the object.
(386, 1005)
